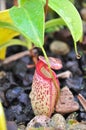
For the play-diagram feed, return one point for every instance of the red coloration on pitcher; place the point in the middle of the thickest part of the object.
(43, 95)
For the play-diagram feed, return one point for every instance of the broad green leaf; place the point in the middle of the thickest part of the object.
(70, 15)
(29, 19)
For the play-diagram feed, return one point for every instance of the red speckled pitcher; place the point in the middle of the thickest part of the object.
(43, 95)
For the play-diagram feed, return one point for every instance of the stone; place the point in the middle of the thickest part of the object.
(19, 70)
(38, 121)
(83, 13)
(13, 93)
(23, 98)
(11, 125)
(41, 128)
(59, 47)
(66, 103)
(21, 127)
(72, 117)
(77, 126)
(2, 74)
(73, 66)
(58, 122)
(75, 83)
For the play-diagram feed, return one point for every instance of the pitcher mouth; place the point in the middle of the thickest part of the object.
(43, 70)
(55, 63)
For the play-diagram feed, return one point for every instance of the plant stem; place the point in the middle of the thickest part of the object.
(53, 78)
(29, 44)
(46, 8)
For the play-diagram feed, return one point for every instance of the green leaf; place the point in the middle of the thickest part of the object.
(13, 42)
(21, 2)
(7, 25)
(54, 22)
(29, 19)
(70, 15)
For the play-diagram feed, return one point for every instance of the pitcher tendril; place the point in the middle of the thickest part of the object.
(78, 56)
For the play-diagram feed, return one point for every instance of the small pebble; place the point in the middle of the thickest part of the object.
(66, 103)
(27, 80)
(83, 13)
(73, 67)
(75, 84)
(21, 127)
(40, 120)
(77, 126)
(20, 70)
(58, 122)
(2, 74)
(59, 47)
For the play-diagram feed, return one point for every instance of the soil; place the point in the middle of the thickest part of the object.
(15, 84)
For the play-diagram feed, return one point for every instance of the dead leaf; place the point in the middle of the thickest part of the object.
(82, 101)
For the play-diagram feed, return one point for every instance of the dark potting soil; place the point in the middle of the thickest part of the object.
(15, 86)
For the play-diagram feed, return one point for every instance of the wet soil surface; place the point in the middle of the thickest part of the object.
(15, 85)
